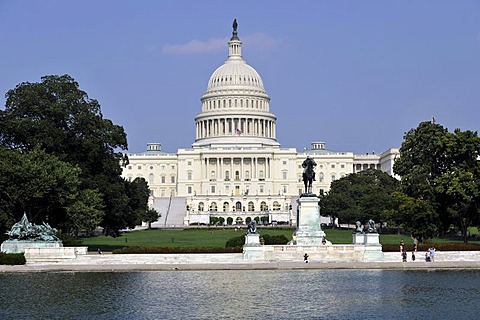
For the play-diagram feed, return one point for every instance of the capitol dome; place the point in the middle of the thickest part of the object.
(235, 107)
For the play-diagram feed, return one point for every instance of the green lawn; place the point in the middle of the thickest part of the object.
(217, 237)
(187, 238)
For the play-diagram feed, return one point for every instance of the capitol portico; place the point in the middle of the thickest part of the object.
(236, 169)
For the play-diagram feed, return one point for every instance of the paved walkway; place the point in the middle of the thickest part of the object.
(417, 265)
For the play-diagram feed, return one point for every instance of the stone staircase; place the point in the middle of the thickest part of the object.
(172, 211)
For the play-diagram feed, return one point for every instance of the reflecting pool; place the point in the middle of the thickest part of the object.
(242, 294)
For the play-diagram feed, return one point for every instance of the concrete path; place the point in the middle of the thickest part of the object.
(297, 265)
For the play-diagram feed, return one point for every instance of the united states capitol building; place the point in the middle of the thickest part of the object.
(236, 170)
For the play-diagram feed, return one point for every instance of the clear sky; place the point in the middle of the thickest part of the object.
(355, 74)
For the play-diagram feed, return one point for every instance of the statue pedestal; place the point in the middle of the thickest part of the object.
(252, 250)
(367, 239)
(309, 231)
(18, 246)
(252, 239)
(368, 244)
(358, 238)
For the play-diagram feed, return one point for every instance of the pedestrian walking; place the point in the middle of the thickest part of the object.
(432, 251)
(305, 258)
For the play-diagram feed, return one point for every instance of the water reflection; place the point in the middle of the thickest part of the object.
(248, 294)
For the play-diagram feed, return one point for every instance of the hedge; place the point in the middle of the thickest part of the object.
(440, 247)
(12, 259)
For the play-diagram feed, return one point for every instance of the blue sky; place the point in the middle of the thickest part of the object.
(355, 74)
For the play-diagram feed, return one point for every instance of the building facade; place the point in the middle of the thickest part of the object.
(236, 169)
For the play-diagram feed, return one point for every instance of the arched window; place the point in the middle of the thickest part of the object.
(263, 206)
(189, 175)
(172, 179)
(201, 206)
(284, 174)
(227, 175)
(251, 206)
(238, 206)
(213, 207)
(276, 206)
(237, 175)
(151, 178)
(260, 175)
(247, 175)
(226, 207)
(163, 178)
(212, 175)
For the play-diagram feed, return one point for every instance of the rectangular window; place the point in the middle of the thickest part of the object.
(189, 163)
(342, 166)
(129, 167)
(189, 190)
(333, 177)
(333, 166)
(212, 189)
(139, 167)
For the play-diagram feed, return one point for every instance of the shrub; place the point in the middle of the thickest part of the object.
(12, 259)
(276, 239)
(440, 247)
(235, 242)
(69, 241)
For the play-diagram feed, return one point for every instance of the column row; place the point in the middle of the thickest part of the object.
(235, 126)
(232, 169)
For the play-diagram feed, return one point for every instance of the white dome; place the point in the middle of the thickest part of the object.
(235, 107)
(235, 74)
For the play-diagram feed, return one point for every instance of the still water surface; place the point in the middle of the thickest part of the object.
(244, 294)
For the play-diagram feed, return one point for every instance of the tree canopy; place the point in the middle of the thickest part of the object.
(443, 169)
(54, 117)
(359, 196)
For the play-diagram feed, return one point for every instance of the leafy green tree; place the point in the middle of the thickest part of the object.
(413, 215)
(359, 196)
(63, 121)
(442, 168)
(85, 213)
(36, 183)
(151, 215)
(460, 186)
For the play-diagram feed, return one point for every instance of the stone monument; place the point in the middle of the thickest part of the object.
(252, 250)
(28, 235)
(368, 240)
(309, 230)
(252, 237)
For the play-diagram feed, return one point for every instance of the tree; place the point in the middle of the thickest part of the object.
(150, 216)
(63, 121)
(442, 168)
(460, 186)
(413, 215)
(36, 183)
(359, 196)
(85, 213)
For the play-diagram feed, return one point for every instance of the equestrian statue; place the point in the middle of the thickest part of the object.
(308, 173)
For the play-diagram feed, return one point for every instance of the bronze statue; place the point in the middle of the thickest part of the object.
(24, 230)
(371, 226)
(308, 173)
(252, 227)
(235, 24)
(359, 227)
